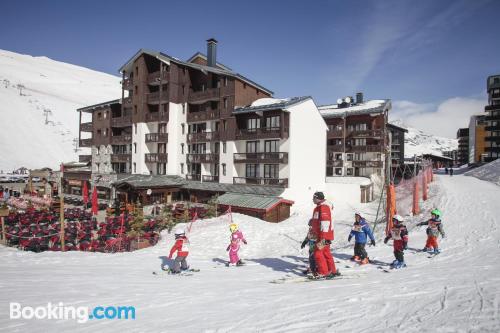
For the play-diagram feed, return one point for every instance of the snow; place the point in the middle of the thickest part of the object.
(25, 136)
(269, 101)
(457, 291)
(333, 109)
(489, 172)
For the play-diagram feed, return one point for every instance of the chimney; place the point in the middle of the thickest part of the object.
(359, 98)
(211, 52)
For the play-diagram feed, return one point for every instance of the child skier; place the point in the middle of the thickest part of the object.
(181, 246)
(234, 245)
(399, 235)
(310, 240)
(435, 227)
(361, 231)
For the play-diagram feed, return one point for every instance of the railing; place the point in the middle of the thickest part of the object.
(85, 143)
(335, 163)
(193, 177)
(127, 101)
(492, 107)
(203, 115)
(121, 158)
(156, 116)
(280, 182)
(198, 97)
(335, 134)
(367, 164)
(84, 158)
(158, 76)
(210, 179)
(203, 137)
(121, 121)
(335, 148)
(120, 139)
(156, 158)
(278, 157)
(157, 137)
(492, 128)
(366, 133)
(86, 127)
(155, 97)
(260, 133)
(128, 84)
(202, 158)
(365, 149)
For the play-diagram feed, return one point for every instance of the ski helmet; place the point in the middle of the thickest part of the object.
(179, 231)
(361, 215)
(398, 218)
(319, 195)
(436, 212)
(233, 227)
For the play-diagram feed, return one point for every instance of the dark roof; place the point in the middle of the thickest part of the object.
(203, 56)
(236, 188)
(145, 181)
(261, 202)
(269, 107)
(91, 108)
(166, 58)
(396, 127)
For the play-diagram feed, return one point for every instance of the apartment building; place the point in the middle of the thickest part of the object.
(477, 136)
(493, 118)
(463, 146)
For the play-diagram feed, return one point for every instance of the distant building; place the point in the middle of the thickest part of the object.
(453, 155)
(493, 118)
(463, 145)
(397, 148)
(477, 135)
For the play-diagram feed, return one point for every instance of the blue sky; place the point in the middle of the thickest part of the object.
(422, 52)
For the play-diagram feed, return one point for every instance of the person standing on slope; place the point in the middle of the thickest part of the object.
(310, 240)
(399, 235)
(322, 227)
(435, 227)
(181, 246)
(361, 231)
(234, 245)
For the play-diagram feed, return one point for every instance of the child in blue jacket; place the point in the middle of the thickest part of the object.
(361, 231)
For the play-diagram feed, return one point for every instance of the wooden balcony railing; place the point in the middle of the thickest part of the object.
(86, 127)
(260, 133)
(193, 177)
(335, 134)
(365, 149)
(203, 115)
(121, 158)
(202, 158)
(157, 77)
(202, 96)
(279, 182)
(279, 157)
(156, 116)
(154, 98)
(127, 101)
(156, 158)
(84, 158)
(121, 139)
(210, 179)
(85, 143)
(366, 133)
(335, 163)
(128, 84)
(121, 121)
(335, 148)
(367, 164)
(157, 137)
(203, 137)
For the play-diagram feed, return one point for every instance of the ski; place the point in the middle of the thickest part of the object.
(299, 279)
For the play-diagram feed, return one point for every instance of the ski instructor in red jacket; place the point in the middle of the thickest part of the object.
(322, 227)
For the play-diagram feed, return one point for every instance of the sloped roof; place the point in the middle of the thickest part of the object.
(235, 188)
(146, 181)
(204, 57)
(279, 105)
(91, 108)
(167, 59)
(251, 201)
(372, 106)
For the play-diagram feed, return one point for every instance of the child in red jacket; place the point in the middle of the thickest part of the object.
(181, 246)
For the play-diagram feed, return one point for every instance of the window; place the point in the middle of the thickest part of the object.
(183, 90)
(105, 132)
(360, 142)
(105, 114)
(273, 122)
(183, 129)
(349, 172)
(136, 90)
(223, 169)
(182, 148)
(136, 70)
(135, 128)
(338, 171)
(338, 157)
(183, 108)
(271, 146)
(253, 124)
(99, 115)
(359, 156)
(225, 103)
(135, 110)
(349, 157)
(225, 81)
(252, 147)
(135, 167)
(135, 149)
(224, 125)
(224, 147)
(252, 171)
(244, 85)
(182, 168)
(97, 166)
(271, 171)
(99, 132)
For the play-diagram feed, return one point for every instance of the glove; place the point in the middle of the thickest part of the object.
(405, 246)
(373, 242)
(245, 242)
(304, 243)
(349, 238)
(386, 240)
(228, 247)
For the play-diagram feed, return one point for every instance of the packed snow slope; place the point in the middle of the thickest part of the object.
(28, 137)
(489, 172)
(456, 291)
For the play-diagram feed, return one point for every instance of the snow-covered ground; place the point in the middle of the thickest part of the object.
(489, 172)
(30, 137)
(457, 291)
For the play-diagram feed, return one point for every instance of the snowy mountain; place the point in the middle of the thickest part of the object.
(417, 142)
(38, 101)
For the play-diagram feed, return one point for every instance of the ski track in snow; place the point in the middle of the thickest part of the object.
(456, 291)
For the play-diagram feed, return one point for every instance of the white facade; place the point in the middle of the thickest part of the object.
(177, 130)
(139, 148)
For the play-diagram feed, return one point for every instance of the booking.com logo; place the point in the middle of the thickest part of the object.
(81, 313)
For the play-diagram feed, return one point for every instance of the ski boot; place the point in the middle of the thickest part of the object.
(364, 261)
(427, 249)
(240, 263)
(394, 263)
(355, 258)
(400, 264)
(437, 251)
(333, 275)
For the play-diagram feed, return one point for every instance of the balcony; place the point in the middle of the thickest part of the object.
(377, 133)
(367, 164)
(202, 158)
(280, 158)
(84, 158)
(493, 128)
(203, 115)
(127, 101)
(335, 163)
(210, 179)
(128, 84)
(492, 107)
(365, 149)
(492, 149)
(156, 116)
(157, 137)
(85, 143)
(335, 134)
(203, 96)
(279, 182)
(86, 127)
(193, 177)
(335, 148)
(156, 158)
(158, 77)
(202, 137)
(125, 121)
(121, 158)
(259, 133)
(154, 98)
(121, 139)
(489, 139)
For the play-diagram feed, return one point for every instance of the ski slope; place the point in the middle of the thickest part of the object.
(456, 291)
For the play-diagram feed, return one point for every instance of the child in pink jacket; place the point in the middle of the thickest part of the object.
(234, 246)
